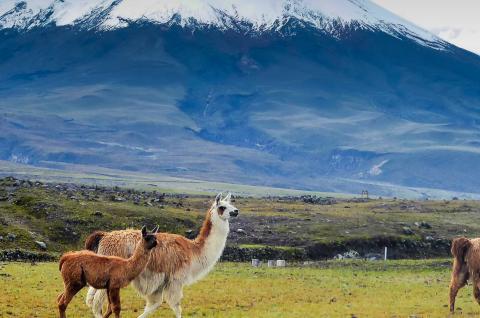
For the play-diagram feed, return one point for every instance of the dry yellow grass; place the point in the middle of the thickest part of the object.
(337, 289)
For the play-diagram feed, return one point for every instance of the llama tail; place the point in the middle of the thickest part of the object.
(60, 263)
(92, 241)
(460, 247)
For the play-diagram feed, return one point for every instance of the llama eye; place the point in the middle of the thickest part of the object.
(221, 209)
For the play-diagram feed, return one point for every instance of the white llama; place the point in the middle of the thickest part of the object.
(174, 263)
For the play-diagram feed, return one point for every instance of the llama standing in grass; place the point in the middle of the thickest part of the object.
(466, 264)
(176, 262)
(98, 271)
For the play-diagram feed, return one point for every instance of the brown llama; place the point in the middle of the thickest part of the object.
(103, 272)
(466, 264)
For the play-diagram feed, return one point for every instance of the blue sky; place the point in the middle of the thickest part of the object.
(456, 21)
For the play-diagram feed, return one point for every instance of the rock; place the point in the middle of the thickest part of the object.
(21, 255)
(97, 213)
(256, 262)
(407, 231)
(190, 234)
(429, 238)
(1, 238)
(11, 237)
(374, 257)
(41, 244)
(241, 231)
(423, 225)
(348, 255)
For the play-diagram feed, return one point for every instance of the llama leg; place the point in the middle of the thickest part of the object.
(476, 289)
(61, 310)
(459, 280)
(98, 300)
(114, 299)
(174, 295)
(90, 295)
(65, 298)
(109, 308)
(153, 302)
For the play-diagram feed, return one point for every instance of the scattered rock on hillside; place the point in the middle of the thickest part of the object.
(11, 237)
(374, 256)
(423, 225)
(407, 231)
(190, 234)
(41, 244)
(348, 255)
(22, 255)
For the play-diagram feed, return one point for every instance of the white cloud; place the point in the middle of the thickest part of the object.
(455, 21)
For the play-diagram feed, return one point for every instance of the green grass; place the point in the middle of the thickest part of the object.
(334, 289)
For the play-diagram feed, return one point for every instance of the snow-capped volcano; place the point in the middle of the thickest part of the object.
(329, 16)
(328, 95)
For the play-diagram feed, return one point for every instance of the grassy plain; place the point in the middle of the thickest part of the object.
(329, 289)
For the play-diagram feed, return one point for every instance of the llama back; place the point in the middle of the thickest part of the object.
(66, 257)
(472, 253)
(172, 253)
(119, 243)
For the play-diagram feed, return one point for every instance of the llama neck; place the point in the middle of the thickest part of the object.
(138, 261)
(210, 242)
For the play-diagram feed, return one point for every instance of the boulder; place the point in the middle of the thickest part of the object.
(41, 245)
(97, 213)
(407, 231)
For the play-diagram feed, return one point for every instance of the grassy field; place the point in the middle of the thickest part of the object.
(331, 289)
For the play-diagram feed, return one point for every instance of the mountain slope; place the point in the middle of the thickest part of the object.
(335, 103)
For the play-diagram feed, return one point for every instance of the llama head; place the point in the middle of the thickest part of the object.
(223, 207)
(149, 239)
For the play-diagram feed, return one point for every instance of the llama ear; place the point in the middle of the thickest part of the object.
(228, 197)
(144, 231)
(218, 198)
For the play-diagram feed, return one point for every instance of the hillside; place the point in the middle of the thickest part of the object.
(303, 227)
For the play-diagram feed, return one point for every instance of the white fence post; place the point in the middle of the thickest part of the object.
(386, 250)
(255, 262)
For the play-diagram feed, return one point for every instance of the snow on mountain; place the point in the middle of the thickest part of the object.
(327, 15)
